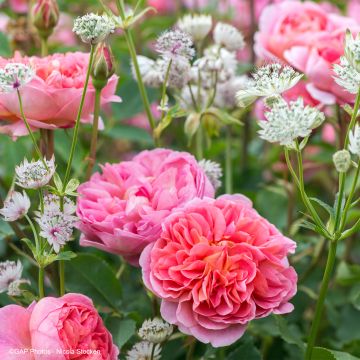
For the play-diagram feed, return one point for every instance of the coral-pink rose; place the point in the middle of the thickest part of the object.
(56, 89)
(308, 37)
(57, 329)
(218, 265)
(121, 210)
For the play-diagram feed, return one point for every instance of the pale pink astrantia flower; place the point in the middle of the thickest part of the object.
(16, 206)
(34, 174)
(218, 265)
(15, 75)
(144, 350)
(155, 330)
(52, 204)
(10, 271)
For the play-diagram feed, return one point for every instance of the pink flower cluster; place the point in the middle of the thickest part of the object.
(55, 329)
(310, 38)
(57, 88)
(121, 210)
(218, 265)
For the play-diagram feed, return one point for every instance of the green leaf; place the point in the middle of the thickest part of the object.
(325, 206)
(72, 185)
(5, 49)
(58, 182)
(121, 329)
(326, 354)
(163, 124)
(246, 350)
(348, 275)
(66, 256)
(130, 133)
(92, 276)
(290, 333)
(30, 245)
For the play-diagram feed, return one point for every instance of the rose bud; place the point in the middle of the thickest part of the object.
(103, 67)
(45, 16)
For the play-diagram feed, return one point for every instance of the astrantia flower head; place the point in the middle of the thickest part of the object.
(174, 44)
(352, 50)
(150, 70)
(10, 271)
(287, 122)
(228, 36)
(52, 204)
(226, 92)
(56, 227)
(347, 77)
(93, 28)
(354, 144)
(16, 206)
(15, 75)
(34, 174)
(14, 287)
(179, 74)
(144, 351)
(198, 26)
(268, 80)
(213, 171)
(155, 330)
(342, 160)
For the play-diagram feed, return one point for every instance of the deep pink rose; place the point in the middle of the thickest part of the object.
(353, 9)
(121, 210)
(56, 90)
(19, 6)
(216, 266)
(310, 38)
(58, 328)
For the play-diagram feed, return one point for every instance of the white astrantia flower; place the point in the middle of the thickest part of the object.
(213, 172)
(268, 80)
(52, 204)
(15, 75)
(342, 160)
(14, 287)
(228, 36)
(56, 227)
(287, 122)
(354, 141)
(34, 174)
(217, 61)
(10, 271)
(198, 26)
(179, 74)
(185, 99)
(346, 76)
(150, 71)
(155, 330)
(352, 50)
(93, 28)
(16, 206)
(143, 351)
(175, 44)
(226, 92)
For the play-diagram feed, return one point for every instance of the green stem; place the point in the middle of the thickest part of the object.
(163, 92)
(77, 123)
(62, 277)
(94, 136)
(199, 143)
(321, 300)
(228, 163)
(131, 46)
(44, 46)
(41, 282)
(38, 152)
(37, 243)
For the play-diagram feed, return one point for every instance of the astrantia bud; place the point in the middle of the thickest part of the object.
(352, 50)
(103, 67)
(342, 160)
(45, 15)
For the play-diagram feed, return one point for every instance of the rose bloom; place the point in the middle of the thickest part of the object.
(308, 37)
(218, 265)
(56, 89)
(121, 210)
(163, 6)
(58, 328)
(19, 6)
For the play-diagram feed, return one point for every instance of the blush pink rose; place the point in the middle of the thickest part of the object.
(353, 9)
(58, 328)
(163, 6)
(56, 90)
(121, 210)
(310, 38)
(218, 265)
(19, 6)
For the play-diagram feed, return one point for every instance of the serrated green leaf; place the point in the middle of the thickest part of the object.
(66, 256)
(290, 333)
(72, 185)
(58, 182)
(326, 354)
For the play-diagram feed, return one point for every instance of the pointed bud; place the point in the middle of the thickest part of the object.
(45, 15)
(104, 66)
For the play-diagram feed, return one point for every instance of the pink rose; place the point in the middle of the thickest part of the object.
(19, 6)
(141, 121)
(353, 9)
(308, 37)
(163, 6)
(67, 324)
(218, 265)
(56, 89)
(121, 210)
(63, 33)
